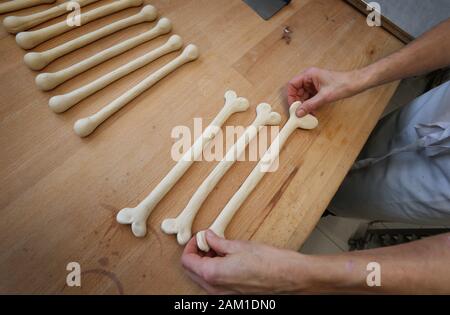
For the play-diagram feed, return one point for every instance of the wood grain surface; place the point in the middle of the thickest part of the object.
(60, 194)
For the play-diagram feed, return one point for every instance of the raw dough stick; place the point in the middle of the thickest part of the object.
(137, 216)
(162, 27)
(38, 60)
(182, 224)
(16, 5)
(16, 24)
(31, 39)
(85, 126)
(61, 103)
(224, 218)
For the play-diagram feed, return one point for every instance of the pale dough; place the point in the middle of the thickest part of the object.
(16, 24)
(224, 218)
(38, 60)
(85, 126)
(163, 26)
(61, 103)
(137, 216)
(182, 224)
(30, 39)
(16, 5)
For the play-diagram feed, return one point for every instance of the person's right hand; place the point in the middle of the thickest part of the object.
(246, 267)
(315, 87)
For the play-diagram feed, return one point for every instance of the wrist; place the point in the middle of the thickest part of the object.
(361, 80)
(303, 274)
(326, 274)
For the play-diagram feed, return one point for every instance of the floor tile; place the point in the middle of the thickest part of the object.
(318, 243)
(339, 229)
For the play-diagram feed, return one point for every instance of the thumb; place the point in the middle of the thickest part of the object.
(310, 105)
(218, 244)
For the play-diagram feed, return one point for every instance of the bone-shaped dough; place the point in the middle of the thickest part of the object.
(224, 218)
(31, 39)
(137, 216)
(38, 60)
(85, 126)
(10, 6)
(16, 24)
(61, 103)
(56, 78)
(182, 224)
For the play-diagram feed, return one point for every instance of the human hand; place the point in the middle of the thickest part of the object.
(244, 267)
(316, 87)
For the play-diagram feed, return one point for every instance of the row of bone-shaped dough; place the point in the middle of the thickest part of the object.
(48, 81)
(182, 225)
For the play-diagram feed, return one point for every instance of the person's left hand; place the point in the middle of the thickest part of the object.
(243, 267)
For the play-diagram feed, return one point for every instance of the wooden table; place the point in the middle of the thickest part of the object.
(60, 194)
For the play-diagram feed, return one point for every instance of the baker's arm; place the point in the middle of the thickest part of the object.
(316, 87)
(416, 267)
(247, 267)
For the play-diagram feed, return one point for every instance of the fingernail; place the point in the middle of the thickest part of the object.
(301, 112)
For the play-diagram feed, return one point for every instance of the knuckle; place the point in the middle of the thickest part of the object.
(312, 70)
(306, 107)
(327, 96)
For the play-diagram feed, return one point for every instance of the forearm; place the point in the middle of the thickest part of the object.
(427, 53)
(417, 267)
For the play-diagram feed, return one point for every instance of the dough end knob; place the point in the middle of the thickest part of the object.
(45, 82)
(149, 12)
(184, 236)
(202, 244)
(24, 40)
(125, 216)
(59, 103)
(84, 127)
(241, 104)
(175, 42)
(139, 228)
(35, 61)
(191, 52)
(165, 25)
(169, 226)
(11, 22)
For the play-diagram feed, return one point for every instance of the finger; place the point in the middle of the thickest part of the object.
(310, 83)
(191, 259)
(220, 245)
(304, 96)
(292, 99)
(301, 92)
(191, 247)
(211, 254)
(309, 105)
(297, 82)
(292, 93)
